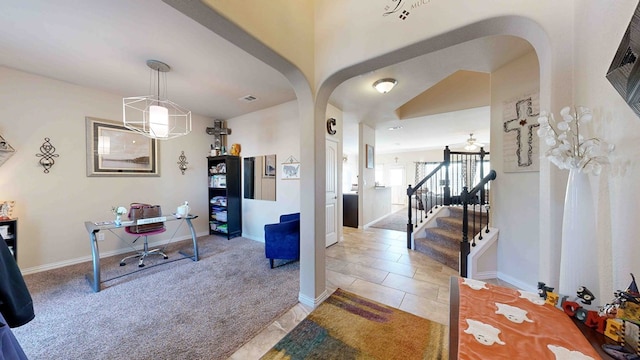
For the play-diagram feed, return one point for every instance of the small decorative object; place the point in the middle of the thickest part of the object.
(543, 290)
(6, 151)
(182, 162)
(218, 131)
(118, 211)
(183, 210)
(6, 209)
(585, 295)
(235, 149)
(569, 149)
(331, 123)
(47, 155)
(291, 169)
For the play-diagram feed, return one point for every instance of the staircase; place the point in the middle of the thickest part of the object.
(442, 241)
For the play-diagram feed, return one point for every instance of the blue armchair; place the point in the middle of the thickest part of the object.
(282, 240)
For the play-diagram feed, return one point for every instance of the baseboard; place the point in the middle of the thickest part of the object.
(485, 275)
(56, 265)
(311, 302)
(254, 238)
(516, 282)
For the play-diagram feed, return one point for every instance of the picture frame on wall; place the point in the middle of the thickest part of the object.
(114, 150)
(291, 171)
(369, 156)
(269, 166)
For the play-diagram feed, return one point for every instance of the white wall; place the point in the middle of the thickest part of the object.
(599, 27)
(52, 208)
(271, 131)
(514, 195)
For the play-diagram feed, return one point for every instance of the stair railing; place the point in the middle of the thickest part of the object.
(474, 197)
(451, 175)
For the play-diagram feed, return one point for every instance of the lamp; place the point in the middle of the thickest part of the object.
(155, 116)
(385, 85)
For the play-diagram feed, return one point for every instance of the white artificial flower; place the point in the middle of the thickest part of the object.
(568, 149)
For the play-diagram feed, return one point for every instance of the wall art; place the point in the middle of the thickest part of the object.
(624, 72)
(6, 151)
(520, 142)
(113, 150)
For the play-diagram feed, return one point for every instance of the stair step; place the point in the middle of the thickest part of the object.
(442, 243)
(450, 223)
(438, 252)
(443, 237)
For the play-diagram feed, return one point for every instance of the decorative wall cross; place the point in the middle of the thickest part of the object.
(218, 130)
(523, 125)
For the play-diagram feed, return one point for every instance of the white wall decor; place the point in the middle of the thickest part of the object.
(5, 150)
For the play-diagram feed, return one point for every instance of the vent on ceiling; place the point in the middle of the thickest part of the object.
(248, 98)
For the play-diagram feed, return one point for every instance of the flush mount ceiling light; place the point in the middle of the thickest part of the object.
(385, 85)
(155, 116)
(392, 128)
(472, 143)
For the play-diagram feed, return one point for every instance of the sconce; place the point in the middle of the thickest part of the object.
(182, 163)
(46, 155)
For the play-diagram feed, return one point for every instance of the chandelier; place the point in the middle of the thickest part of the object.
(155, 116)
(472, 143)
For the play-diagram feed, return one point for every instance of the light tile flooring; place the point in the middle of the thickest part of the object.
(376, 264)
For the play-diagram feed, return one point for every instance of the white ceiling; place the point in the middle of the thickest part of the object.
(360, 102)
(105, 45)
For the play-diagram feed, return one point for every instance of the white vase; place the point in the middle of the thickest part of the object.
(578, 259)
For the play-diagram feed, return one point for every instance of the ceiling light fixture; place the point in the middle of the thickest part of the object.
(155, 116)
(472, 143)
(392, 128)
(385, 85)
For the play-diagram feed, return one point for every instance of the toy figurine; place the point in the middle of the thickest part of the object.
(585, 295)
(543, 289)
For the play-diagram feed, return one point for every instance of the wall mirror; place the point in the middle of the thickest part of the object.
(260, 177)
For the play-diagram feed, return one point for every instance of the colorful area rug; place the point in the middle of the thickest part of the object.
(347, 326)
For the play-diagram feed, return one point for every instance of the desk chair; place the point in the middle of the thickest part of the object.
(145, 250)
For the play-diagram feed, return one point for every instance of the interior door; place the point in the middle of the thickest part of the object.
(332, 192)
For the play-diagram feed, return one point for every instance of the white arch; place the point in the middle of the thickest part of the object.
(313, 113)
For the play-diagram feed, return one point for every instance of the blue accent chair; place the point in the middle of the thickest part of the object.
(282, 240)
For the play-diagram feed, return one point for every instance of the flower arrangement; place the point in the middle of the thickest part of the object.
(568, 148)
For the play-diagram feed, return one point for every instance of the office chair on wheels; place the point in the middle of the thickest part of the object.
(140, 255)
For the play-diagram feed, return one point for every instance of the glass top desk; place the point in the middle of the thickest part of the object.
(95, 227)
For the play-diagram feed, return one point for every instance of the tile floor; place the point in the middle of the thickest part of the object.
(376, 264)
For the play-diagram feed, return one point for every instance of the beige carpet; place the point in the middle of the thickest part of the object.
(396, 221)
(180, 310)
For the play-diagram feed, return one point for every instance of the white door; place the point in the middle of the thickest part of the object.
(397, 184)
(332, 192)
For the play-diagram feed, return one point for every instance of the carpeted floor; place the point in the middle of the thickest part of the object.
(347, 326)
(396, 221)
(178, 310)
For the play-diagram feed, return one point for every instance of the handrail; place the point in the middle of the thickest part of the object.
(469, 198)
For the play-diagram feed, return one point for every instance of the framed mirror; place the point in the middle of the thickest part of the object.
(260, 177)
